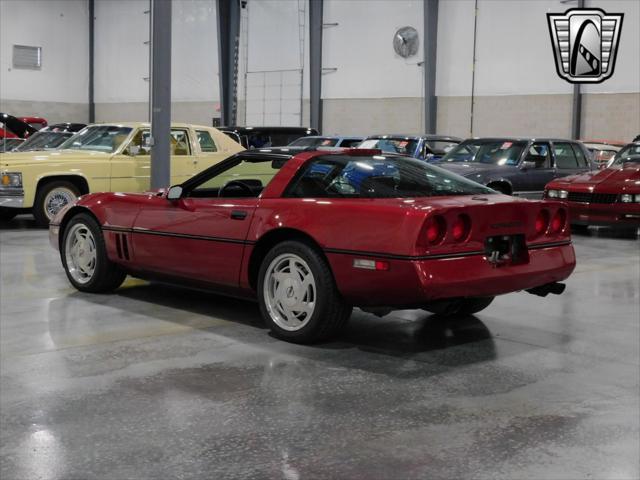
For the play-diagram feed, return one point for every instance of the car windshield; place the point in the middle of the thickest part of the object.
(9, 144)
(401, 145)
(630, 153)
(44, 141)
(314, 142)
(440, 147)
(99, 138)
(378, 177)
(495, 152)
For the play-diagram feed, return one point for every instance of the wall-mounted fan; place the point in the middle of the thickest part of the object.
(405, 42)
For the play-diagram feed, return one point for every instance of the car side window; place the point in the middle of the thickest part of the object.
(244, 178)
(207, 145)
(179, 142)
(140, 144)
(582, 159)
(565, 156)
(540, 150)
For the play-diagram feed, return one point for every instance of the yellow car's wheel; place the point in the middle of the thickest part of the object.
(51, 198)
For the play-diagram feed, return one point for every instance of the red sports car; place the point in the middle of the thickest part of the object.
(603, 197)
(313, 234)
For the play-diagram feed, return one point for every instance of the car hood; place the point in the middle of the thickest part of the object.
(609, 177)
(472, 169)
(17, 159)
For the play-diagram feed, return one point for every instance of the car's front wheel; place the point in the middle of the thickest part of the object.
(298, 296)
(84, 257)
(51, 198)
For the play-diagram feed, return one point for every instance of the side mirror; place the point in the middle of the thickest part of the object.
(174, 193)
(133, 150)
(534, 161)
(528, 165)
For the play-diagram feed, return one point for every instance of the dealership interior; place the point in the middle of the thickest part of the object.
(319, 239)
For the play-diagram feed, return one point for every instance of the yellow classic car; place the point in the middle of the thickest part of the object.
(102, 158)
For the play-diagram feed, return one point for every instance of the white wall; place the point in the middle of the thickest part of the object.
(513, 49)
(273, 53)
(455, 48)
(194, 53)
(61, 28)
(360, 47)
(122, 57)
(626, 77)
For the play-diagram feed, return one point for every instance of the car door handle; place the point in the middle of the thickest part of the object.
(238, 214)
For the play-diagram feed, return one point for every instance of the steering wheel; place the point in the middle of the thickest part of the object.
(235, 183)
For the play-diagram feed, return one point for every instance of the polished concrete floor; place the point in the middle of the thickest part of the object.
(160, 383)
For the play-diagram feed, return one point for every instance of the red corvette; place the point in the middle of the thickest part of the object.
(603, 197)
(313, 234)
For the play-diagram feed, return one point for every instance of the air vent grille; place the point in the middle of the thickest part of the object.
(25, 57)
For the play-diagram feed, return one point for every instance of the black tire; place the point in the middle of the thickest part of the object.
(575, 228)
(463, 306)
(331, 312)
(500, 188)
(39, 207)
(107, 276)
(7, 214)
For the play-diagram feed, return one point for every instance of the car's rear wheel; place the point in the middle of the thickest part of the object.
(463, 306)
(84, 257)
(7, 214)
(51, 198)
(298, 296)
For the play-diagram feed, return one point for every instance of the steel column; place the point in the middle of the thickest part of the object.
(315, 63)
(92, 16)
(430, 49)
(160, 102)
(228, 14)
(576, 111)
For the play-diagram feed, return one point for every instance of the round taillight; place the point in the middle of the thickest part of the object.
(436, 228)
(461, 228)
(559, 220)
(542, 222)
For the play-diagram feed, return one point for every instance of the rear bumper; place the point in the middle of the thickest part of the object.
(411, 283)
(615, 214)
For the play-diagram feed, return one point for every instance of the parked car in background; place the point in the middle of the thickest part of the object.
(423, 147)
(266, 137)
(271, 225)
(319, 141)
(12, 127)
(517, 166)
(64, 127)
(43, 140)
(101, 158)
(602, 151)
(8, 144)
(36, 122)
(605, 197)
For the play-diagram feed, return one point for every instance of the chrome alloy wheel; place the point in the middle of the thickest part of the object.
(289, 292)
(56, 199)
(80, 253)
